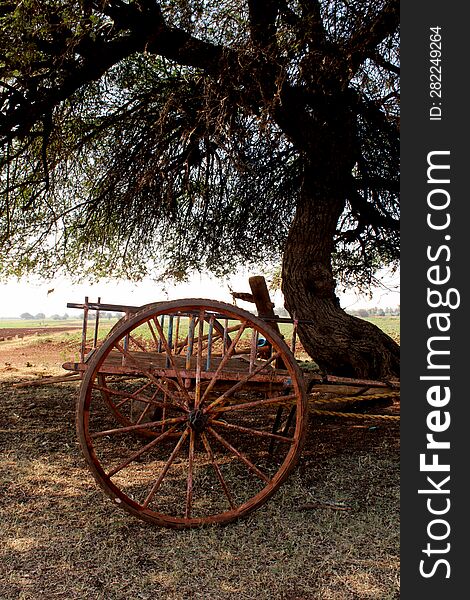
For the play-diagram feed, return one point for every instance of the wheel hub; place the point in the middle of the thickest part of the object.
(197, 420)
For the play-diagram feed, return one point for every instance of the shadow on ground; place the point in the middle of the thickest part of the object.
(61, 538)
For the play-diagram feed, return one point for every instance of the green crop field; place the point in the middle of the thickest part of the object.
(390, 325)
(36, 323)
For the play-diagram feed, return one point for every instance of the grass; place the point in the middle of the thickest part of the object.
(35, 323)
(61, 538)
(390, 325)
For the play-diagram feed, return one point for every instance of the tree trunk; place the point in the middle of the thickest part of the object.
(339, 343)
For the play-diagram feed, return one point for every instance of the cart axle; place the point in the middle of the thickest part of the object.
(198, 420)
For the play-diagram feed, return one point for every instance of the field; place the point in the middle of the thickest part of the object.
(391, 325)
(331, 532)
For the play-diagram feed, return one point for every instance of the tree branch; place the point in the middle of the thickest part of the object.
(313, 23)
(98, 58)
(364, 41)
(263, 14)
(384, 64)
(378, 183)
(368, 213)
(146, 31)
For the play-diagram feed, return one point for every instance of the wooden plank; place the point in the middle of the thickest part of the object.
(261, 297)
(236, 369)
(243, 296)
(107, 307)
(265, 307)
(48, 380)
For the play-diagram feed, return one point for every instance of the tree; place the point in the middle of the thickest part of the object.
(200, 134)
(26, 315)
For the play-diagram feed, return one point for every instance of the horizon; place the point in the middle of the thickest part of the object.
(36, 296)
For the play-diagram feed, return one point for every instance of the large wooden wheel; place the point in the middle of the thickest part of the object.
(176, 424)
(126, 410)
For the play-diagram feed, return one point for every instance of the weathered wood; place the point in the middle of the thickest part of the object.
(245, 296)
(352, 390)
(180, 382)
(47, 380)
(235, 369)
(262, 299)
(102, 306)
(264, 306)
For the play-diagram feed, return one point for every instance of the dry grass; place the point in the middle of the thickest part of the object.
(61, 538)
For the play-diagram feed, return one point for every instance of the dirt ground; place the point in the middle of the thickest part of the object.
(330, 533)
(20, 332)
(32, 353)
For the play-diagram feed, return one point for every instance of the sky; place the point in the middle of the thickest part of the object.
(51, 297)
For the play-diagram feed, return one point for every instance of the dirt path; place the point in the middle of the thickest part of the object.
(20, 332)
(61, 538)
(34, 356)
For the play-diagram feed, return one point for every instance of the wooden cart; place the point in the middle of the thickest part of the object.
(191, 412)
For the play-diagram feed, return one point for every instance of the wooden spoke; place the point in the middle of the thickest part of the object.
(190, 339)
(134, 396)
(188, 404)
(253, 348)
(179, 347)
(189, 487)
(171, 358)
(168, 464)
(147, 408)
(144, 387)
(127, 396)
(223, 362)
(146, 372)
(154, 335)
(217, 470)
(159, 345)
(197, 397)
(221, 335)
(210, 338)
(139, 397)
(177, 331)
(205, 338)
(225, 339)
(136, 427)
(239, 455)
(143, 413)
(255, 432)
(240, 383)
(146, 448)
(137, 343)
(254, 404)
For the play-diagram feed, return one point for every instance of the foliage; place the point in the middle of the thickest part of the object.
(157, 137)
(375, 312)
(26, 315)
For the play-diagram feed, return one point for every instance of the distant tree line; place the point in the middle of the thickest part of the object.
(375, 312)
(28, 316)
(56, 317)
(359, 312)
